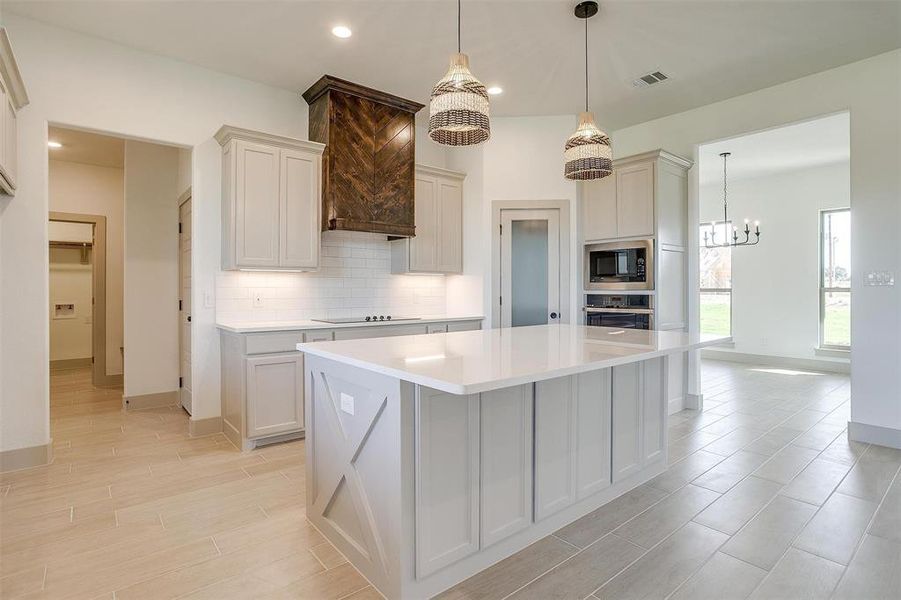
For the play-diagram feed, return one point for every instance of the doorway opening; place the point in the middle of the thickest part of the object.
(118, 208)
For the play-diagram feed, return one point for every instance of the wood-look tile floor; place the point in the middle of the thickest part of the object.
(764, 498)
(132, 507)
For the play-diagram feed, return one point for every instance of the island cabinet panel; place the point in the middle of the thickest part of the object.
(447, 479)
(572, 440)
(639, 416)
(506, 462)
(626, 420)
(274, 394)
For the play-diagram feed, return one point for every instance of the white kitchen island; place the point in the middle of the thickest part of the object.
(431, 457)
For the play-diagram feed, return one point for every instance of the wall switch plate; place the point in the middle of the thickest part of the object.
(209, 301)
(347, 403)
(257, 299)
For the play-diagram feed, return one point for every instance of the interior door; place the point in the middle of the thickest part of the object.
(530, 267)
(184, 303)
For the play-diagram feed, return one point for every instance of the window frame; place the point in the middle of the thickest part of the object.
(728, 290)
(822, 290)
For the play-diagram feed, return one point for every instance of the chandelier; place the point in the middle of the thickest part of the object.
(458, 106)
(587, 153)
(711, 241)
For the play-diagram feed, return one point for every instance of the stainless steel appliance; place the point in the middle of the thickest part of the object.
(626, 311)
(620, 265)
(366, 319)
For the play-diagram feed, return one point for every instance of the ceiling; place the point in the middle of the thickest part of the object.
(87, 148)
(819, 142)
(711, 49)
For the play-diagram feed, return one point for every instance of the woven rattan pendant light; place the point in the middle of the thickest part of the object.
(458, 107)
(588, 153)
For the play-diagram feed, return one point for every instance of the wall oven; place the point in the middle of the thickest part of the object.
(620, 265)
(634, 311)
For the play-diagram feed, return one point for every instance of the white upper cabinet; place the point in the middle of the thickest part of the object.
(438, 244)
(645, 197)
(12, 98)
(271, 198)
(635, 200)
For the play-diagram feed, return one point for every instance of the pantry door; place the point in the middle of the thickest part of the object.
(530, 267)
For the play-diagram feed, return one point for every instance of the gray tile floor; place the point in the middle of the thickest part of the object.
(764, 498)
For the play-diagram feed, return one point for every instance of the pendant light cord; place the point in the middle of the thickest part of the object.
(586, 64)
(725, 203)
(459, 10)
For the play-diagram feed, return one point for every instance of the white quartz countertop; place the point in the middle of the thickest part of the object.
(469, 362)
(261, 326)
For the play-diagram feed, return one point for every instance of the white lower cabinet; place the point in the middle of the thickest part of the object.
(506, 463)
(447, 479)
(572, 440)
(639, 416)
(274, 394)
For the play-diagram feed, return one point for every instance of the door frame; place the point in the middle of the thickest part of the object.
(186, 196)
(99, 376)
(567, 310)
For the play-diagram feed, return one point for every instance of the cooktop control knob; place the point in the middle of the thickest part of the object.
(381, 317)
(368, 318)
(388, 318)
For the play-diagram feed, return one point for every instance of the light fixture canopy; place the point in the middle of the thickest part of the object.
(588, 153)
(711, 241)
(458, 106)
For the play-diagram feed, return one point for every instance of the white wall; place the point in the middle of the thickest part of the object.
(775, 300)
(70, 283)
(151, 268)
(871, 91)
(183, 178)
(86, 82)
(93, 190)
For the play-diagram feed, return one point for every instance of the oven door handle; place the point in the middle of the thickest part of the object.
(640, 311)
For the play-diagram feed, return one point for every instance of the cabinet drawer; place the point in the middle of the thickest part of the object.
(322, 335)
(464, 326)
(436, 328)
(267, 343)
(379, 331)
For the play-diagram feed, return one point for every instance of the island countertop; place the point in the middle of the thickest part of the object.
(470, 362)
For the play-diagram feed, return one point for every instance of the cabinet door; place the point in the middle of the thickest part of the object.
(555, 445)
(447, 479)
(635, 200)
(274, 394)
(506, 463)
(424, 247)
(599, 209)
(299, 201)
(450, 227)
(256, 197)
(627, 430)
(593, 430)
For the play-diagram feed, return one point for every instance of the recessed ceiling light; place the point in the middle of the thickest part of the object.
(53, 144)
(495, 90)
(341, 31)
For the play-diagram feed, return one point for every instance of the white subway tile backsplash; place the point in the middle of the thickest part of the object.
(354, 279)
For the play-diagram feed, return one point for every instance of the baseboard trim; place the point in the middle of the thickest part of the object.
(694, 401)
(676, 405)
(26, 458)
(874, 434)
(150, 400)
(232, 434)
(66, 364)
(813, 364)
(203, 427)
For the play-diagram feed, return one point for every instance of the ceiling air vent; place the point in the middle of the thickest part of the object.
(649, 79)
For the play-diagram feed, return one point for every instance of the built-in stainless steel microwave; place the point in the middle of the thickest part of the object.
(620, 265)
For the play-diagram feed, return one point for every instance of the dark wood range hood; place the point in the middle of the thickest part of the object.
(368, 164)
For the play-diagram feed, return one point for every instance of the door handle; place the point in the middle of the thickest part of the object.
(554, 315)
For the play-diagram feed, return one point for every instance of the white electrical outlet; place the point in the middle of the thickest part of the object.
(257, 299)
(347, 403)
(208, 299)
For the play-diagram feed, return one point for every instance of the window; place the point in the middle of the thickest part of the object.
(716, 281)
(835, 278)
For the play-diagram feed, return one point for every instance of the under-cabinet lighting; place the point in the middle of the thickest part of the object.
(342, 31)
(618, 332)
